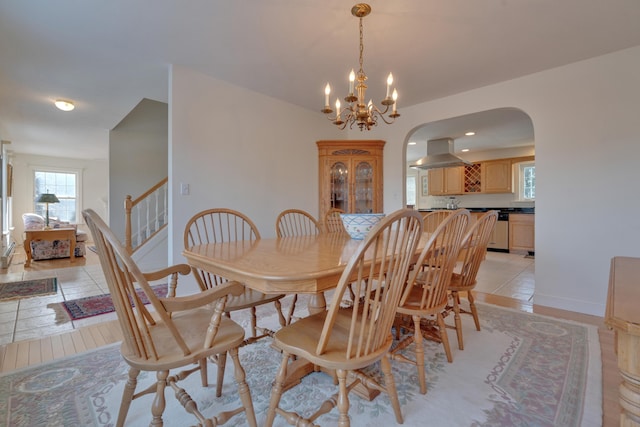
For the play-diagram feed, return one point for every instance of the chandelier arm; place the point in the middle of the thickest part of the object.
(385, 120)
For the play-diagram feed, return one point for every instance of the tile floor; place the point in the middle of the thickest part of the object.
(502, 274)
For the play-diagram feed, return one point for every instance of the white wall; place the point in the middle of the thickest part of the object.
(240, 150)
(585, 120)
(95, 185)
(256, 154)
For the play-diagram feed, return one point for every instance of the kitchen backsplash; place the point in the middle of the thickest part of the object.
(474, 201)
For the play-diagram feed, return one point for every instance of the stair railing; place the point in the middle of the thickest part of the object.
(146, 215)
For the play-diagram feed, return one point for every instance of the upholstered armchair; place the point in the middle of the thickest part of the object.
(51, 249)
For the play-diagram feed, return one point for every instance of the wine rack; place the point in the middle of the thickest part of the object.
(472, 178)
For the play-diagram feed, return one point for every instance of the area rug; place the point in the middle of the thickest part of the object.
(82, 308)
(520, 370)
(28, 288)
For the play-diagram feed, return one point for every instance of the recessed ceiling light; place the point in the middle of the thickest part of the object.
(464, 150)
(412, 143)
(64, 105)
(470, 133)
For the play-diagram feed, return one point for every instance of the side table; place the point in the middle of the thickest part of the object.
(50, 234)
(622, 315)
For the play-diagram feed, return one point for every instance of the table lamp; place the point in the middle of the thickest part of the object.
(47, 198)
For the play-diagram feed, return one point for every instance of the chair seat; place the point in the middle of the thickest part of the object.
(456, 283)
(301, 338)
(250, 298)
(192, 326)
(414, 300)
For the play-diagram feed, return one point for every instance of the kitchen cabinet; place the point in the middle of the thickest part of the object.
(446, 181)
(522, 232)
(496, 176)
(350, 175)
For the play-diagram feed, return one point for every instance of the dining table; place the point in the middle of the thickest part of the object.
(287, 265)
(310, 265)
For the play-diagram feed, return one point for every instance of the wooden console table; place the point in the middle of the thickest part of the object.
(50, 234)
(623, 316)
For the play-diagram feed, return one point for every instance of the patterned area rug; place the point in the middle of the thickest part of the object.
(520, 370)
(100, 304)
(28, 288)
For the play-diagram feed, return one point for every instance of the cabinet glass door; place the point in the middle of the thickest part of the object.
(340, 186)
(363, 188)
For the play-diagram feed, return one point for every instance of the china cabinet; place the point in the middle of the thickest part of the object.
(350, 175)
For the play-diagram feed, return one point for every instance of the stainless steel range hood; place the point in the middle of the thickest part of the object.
(439, 155)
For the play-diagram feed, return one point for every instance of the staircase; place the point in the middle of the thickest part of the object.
(146, 215)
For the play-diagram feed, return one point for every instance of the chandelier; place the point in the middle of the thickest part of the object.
(356, 111)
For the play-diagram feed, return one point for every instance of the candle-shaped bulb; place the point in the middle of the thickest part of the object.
(352, 78)
(395, 99)
(389, 83)
(327, 92)
(337, 108)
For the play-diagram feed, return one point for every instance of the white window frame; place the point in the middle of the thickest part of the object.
(520, 173)
(55, 169)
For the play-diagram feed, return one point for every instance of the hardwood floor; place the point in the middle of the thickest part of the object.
(24, 353)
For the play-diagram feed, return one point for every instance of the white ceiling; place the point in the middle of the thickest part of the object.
(108, 55)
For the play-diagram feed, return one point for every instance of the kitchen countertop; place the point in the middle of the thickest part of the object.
(504, 210)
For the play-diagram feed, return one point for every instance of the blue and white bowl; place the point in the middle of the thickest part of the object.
(358, 225)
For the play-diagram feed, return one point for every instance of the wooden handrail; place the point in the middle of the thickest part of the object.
(129, 204)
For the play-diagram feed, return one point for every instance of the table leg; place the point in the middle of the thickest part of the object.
(27, 251)
(317, 303)
(72, 244)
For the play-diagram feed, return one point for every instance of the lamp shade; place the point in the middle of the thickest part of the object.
(47, 198)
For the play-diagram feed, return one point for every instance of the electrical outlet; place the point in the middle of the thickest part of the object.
(184, 189)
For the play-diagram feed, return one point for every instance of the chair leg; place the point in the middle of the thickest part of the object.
(444, 337)
(243, 388)
(127, 395)
(204, 373)
(456, 318)
(254, 322)
(343, 399)
(417, 338)
(159, 402)
(277, 389)
(221, 362)
(390, 385)
(292, 309)
(474, 310)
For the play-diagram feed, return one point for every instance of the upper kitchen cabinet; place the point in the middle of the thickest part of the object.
(350, 175)
(496, 176)
(446, 181)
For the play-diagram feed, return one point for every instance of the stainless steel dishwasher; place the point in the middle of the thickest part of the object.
(499, 241)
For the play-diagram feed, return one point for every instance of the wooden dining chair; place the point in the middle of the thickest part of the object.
(296, 222)
(425, 297)
(433, 219)
(333, 222)
(474, 247)
(346, 340)
(226, 225)
(183, 331)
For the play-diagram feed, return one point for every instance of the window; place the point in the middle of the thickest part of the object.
(65, 185)
(411, 190)
(527, 181)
